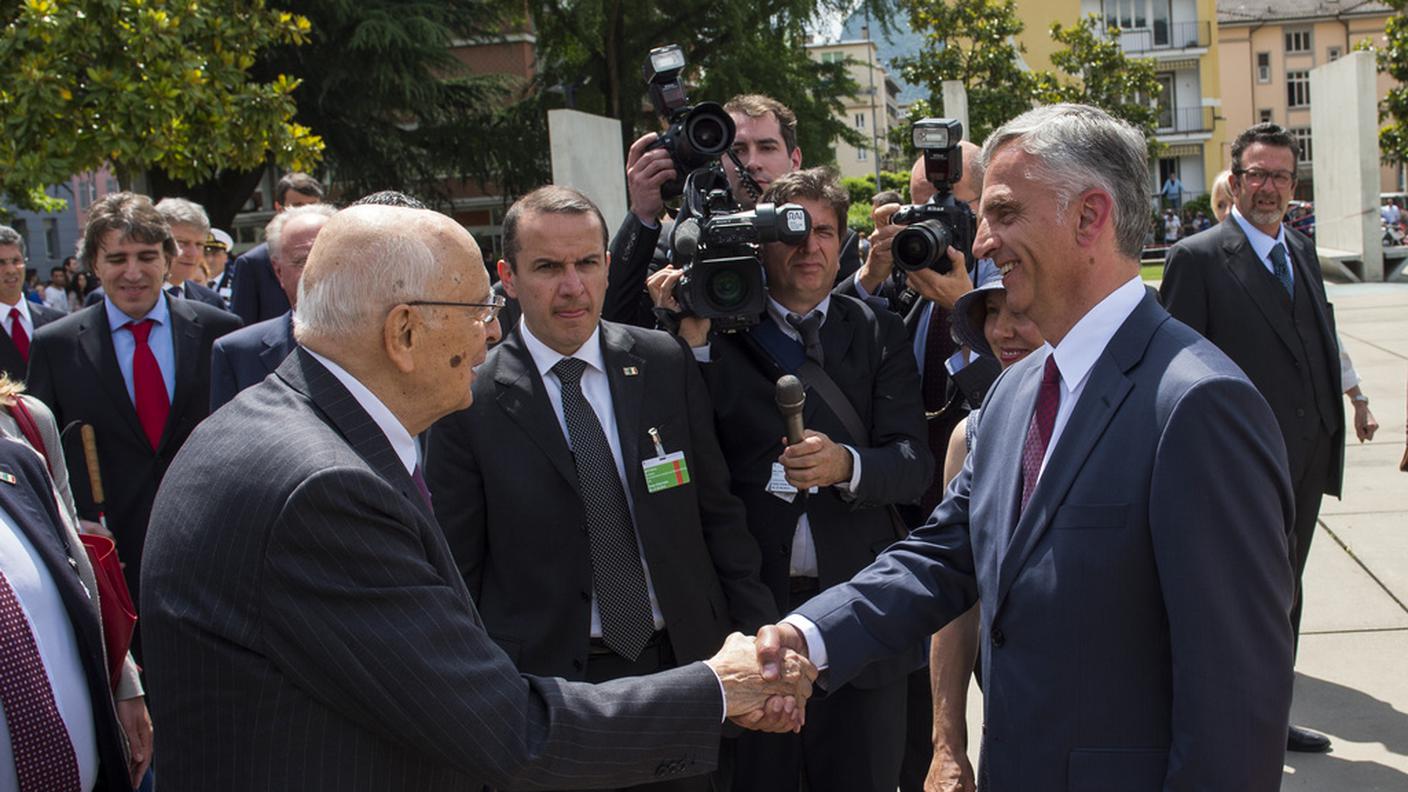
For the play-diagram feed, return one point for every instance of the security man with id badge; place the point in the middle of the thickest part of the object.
(583, 493)
(822, 504)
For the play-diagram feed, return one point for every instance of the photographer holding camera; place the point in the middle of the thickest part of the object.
(765, 143)
(820, 505)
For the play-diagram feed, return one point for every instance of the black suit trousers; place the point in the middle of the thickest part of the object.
(1309, 490)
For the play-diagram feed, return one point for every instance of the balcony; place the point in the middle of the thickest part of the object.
(1181, 120)
(1164, 36)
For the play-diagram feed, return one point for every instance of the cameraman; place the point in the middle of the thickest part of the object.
(853, 739)
(765, 143)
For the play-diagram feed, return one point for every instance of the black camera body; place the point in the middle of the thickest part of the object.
(721, 254)
(697, 134)
(931, 228)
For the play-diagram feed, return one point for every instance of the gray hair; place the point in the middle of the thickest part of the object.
(1079, 147)
(274, 231)
(9, 236)
(179, 211)
(347, 299)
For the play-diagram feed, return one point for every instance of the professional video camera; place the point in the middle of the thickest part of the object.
(721, 258)
(944, 221)
(698, 134)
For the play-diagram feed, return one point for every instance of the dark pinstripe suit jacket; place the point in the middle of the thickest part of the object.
(306, 628)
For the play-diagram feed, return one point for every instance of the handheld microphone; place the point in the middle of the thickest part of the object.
(791, 397)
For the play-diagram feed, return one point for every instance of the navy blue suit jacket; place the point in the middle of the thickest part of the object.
(1135, 617)
(248, 355)
(256, 294)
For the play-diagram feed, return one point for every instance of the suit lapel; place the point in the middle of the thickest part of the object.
(520, 394)
(627, 392)
(836, 334)
(278, 342)
(185, 342)
(40, 528)
(95, 342)
(1105, 390)
(1303, 257)
(1250, 273)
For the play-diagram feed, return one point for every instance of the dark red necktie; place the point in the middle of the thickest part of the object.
(148, 388)
(18, 335)
(44, 755)
(1048, 400)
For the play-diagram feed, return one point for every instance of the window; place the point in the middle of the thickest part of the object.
(833, 57)
(1165, 103)
(860, 120)
(1335, 53)
(1263, 116)
(1298, 89)
(862, 154)
(1302, 136)
(1297, 41)
(51, 238)
(1263, 67)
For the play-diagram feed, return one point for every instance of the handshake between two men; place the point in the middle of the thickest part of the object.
(766, 679)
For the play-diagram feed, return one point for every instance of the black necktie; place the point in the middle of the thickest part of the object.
(1281, 268)
(617, 574)
(809, 329)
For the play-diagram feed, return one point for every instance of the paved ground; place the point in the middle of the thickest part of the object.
(1352, 673)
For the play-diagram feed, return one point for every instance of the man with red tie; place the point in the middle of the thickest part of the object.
(18, 316)
(135, 366)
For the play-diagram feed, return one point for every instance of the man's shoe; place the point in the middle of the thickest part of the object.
(1306, 741)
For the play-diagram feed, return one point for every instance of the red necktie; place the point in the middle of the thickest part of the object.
(18, 335)
(44, 755)
(1048, 399)
(148, 388)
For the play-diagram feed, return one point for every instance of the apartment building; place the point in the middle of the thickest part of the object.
(1268, 51)
(872, 112)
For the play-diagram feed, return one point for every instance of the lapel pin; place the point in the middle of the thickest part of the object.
(630, 371)
(8, 477)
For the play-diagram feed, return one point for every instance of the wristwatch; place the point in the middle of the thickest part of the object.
(1360, 399)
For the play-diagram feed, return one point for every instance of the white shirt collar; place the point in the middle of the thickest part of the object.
(779, 313)
(1086, 341)
(1261, 243)
(545, 357)
(22, 305)
(401, 441)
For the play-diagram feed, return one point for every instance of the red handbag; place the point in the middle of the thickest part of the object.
(119, 617)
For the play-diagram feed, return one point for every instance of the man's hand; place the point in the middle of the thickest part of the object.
(132, 714)
(645, 172)
(1364, 424)
(950, 771)
(943, 290)
(881, 259)
(768, 703)
(817, 461)
(693, 330)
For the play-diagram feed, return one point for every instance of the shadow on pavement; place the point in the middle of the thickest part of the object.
(1347, 714)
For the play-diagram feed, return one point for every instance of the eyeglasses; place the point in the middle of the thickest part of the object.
(489, 311)
(1257, 177)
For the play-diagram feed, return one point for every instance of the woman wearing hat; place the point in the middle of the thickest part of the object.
(984, 323)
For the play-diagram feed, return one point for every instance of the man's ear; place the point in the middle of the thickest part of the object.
(400, 331)
(797, 158)
(1095, 212)
(506, 278)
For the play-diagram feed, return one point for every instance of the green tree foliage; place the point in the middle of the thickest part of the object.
(143, 84)
(593, 51)
(1393, 60)
(971, 41)
(1096, 72)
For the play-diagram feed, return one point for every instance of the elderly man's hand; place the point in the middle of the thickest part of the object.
(944, 290)
(772, 702)
(137, 723)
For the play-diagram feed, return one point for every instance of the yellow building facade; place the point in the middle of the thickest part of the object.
(1268, 51)
(872, 112)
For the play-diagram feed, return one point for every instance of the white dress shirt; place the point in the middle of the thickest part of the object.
(58, 650)
(400, 438)
(26, 321)
(597, 390)
(1262, 244)
(1075, 357)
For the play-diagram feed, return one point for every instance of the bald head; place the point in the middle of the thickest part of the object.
(968, 187)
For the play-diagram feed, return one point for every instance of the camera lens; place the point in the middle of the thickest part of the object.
(923, 245)
(706, 134)
(727, 289)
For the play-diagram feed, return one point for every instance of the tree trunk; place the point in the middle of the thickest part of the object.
(222, 196)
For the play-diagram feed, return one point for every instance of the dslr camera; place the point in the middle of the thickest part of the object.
(721, 257)
(697, 134)
(931, 228)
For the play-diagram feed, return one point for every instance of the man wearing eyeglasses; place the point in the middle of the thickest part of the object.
(584, 494)
(1252, 286)
(246, 356)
